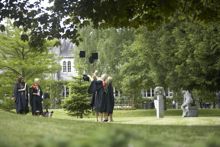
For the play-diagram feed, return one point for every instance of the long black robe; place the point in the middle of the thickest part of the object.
(92, 90)
(36, 100)
(21, 98)
(46, 100)
(98, 103)
(103, 108)
(110, 99)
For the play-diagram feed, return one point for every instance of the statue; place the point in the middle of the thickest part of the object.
(187, 101)
(159, 102)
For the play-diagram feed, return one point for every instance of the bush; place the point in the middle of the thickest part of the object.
(7, 104)
(78, 102)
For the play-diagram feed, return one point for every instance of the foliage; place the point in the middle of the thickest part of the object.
(179, 55)
(7, 103)
(109, 44)
(6, 86)
(78, 102)
(62, 19)
(55, 89)
(204, 96)
(18, 58)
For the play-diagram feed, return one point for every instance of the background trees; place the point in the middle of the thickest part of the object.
(19, 58)
(62, 19)
(177, 55)
(175, 43)
(109, 44)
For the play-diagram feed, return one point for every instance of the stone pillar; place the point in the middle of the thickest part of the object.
(159, 102)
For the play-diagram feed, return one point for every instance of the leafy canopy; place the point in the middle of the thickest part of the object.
(64, 17)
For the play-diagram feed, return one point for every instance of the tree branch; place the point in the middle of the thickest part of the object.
(11, 69)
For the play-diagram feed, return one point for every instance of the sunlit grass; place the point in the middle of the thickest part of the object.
(148, 117)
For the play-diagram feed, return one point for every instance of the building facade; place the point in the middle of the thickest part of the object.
(66, 61)
(64, 52)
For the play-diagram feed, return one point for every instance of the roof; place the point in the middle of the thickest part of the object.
(65, 49)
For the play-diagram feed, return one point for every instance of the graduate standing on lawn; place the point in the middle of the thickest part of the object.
(46, 100)
(99, 103)
(92, 88)
(109, 99)
(36, 98)
(103, 107)
(21, 96)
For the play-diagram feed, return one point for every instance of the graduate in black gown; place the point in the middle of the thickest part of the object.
(110, 99)
(21, 96)
(99, 103)
(103, 107)
(36, 98)
(98, 98)
(92, 90)
(46, 100)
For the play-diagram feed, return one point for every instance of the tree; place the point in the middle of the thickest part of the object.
(19, 58)
(55, 89)
(177, 55)
(109, 44)
(196, 56)
(78, 102)
(64, 18)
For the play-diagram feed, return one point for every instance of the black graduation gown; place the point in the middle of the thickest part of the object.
(46, 100)
(21, 98)
(103, 108)
(110, 99)
(92, 90)
(99, 96)
(36, 100)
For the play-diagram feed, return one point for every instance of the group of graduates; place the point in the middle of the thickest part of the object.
(102, 97)
(24, 95)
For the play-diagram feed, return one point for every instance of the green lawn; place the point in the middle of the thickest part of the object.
(131, 128)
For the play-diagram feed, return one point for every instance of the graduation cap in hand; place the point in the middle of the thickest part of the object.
(85, 77)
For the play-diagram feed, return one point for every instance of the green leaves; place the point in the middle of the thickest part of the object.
(78, 102)
(49, 22)
(19, 58)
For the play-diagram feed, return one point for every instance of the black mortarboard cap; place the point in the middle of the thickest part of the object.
(85, 77)
(82, 54)
(95, 56)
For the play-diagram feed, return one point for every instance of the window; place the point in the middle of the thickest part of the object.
(144, 93)
(64, 66)
(148, 93)
(69, 66)
(152, 92)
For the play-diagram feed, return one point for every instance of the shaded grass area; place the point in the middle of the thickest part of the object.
(26, 130)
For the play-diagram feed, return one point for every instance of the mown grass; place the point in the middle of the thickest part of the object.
(65, 131)
(60, 113)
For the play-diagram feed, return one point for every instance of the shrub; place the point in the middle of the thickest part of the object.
(7, 103)
(78, 101)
